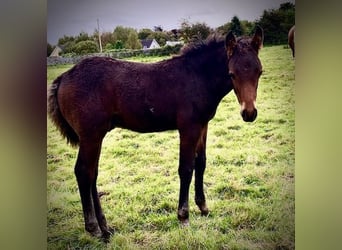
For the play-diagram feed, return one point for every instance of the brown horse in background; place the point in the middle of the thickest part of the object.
(181, 93)
(291, 39)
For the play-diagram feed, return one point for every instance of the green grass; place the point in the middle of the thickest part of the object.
(249, 181)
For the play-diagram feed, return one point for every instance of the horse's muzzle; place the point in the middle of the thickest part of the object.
(249, 115)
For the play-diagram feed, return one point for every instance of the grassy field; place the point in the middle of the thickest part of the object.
(249, 181)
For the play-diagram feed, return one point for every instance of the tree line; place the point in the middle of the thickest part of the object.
(275, 22)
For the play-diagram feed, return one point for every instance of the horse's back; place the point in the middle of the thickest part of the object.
(106, 93)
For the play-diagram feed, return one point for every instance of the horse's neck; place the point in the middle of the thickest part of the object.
(216, 69)
(215, 72)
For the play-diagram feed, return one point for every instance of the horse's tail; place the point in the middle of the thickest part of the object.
(56, 115)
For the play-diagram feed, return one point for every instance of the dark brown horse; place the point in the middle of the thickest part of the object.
(181, 93)
(291, 39)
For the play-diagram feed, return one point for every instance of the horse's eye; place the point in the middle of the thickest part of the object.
(231, 75)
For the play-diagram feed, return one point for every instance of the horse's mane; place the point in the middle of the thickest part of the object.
(198, 46)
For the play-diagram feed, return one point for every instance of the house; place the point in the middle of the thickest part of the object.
(173, 43)
(56, 51)
(150, 44)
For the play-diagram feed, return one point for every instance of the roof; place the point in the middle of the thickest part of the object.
(56, 51)
(146, 43)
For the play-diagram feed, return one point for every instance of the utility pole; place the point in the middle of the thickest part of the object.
(98, 31)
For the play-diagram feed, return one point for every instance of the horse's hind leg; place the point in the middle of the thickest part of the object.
(106, 232)
(200, 164)
(86, 170)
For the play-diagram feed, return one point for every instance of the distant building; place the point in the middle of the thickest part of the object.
(173, 43)
(56, 51)
(150, 44)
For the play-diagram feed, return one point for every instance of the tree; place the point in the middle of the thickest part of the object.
(277, 22)
(67, 43)
(85, 47)
(65, 39)
(247, 27)
(128, 36)
(288, 6)
(83, 36)
(236, 26)
(194, 31)
(118, 45)
(158, 28)
(106, 38)
(133, 41)
(224, 29)
(174, 34)
(144, 33)
(120, 33)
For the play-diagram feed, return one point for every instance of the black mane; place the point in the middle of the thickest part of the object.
(198, 46)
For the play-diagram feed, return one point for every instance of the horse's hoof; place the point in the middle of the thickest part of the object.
(106, 237)
(185, 223)
(204, 211)
(202, 207)
(107, 234)
(94, 230)
(111, 230)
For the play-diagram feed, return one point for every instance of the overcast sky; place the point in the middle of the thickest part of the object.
(70, 17)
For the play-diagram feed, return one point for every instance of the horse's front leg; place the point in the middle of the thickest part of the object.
(188, 142)
(200, 164)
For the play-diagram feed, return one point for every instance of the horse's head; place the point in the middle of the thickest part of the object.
(244, 70)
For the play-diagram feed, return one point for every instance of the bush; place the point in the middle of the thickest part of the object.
(109, 46)
(85, 47)
(164, 51)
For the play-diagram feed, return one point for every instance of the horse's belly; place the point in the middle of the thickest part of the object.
(145, 123)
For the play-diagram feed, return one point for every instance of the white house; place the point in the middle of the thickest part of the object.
(56, 51)
(173, 43)
(150, 44)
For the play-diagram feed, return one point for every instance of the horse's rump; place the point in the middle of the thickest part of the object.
(56, 115)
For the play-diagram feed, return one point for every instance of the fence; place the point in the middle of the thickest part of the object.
(119, 54)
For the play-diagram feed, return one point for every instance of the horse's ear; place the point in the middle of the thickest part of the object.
(230, 43)
(258, 38)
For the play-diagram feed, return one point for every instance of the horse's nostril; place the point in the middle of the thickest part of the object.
(244, 113)
(249, 116)
(255, 114)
